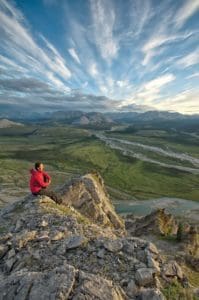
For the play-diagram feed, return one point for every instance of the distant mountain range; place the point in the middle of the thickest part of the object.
(111, 118)
(93, 119)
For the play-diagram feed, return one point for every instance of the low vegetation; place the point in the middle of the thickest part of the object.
(67, 151)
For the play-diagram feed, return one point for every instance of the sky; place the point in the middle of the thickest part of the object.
(100, 55)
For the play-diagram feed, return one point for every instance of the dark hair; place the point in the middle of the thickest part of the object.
(37, 165)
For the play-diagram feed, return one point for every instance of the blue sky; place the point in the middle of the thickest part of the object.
(100, 55)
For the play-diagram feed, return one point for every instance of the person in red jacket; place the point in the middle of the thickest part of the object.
(40, 180)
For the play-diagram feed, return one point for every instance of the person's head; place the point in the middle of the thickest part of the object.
(39, 166)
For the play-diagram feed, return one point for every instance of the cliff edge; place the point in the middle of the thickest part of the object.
(78, 250)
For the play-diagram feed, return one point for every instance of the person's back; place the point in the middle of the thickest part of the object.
(38, 180)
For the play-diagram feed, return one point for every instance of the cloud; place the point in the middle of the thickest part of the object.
(149, 91)
(103, 16)
(194, 75)
(135, 107)
(140, 13)
(155, 44)
(24, 85)
(19, 44)
(189, 59)
(189, 8)
(185, 102)
(159, 82)
(128, 52)
(92, 69)
(74, 55)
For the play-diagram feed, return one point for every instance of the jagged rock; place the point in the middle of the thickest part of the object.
(128, 247)
(153, 264)
(132, 288)
(190, 241)
(55, 284)
(145, 276)
(172, 269)
(151, 294)
(113, 245)
(11, 253)
(74, 241)
(74, 251)
(58, 235)
(88, 195)
(3, 250)
(152, 248)
(192, 261)
(96, 287)
(43, 236)
(6, 237)
(25, 237)
(19, 224)
(101, 253)
(158, 222)
(9, 263)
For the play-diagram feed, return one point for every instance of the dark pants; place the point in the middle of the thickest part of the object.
(54, 196)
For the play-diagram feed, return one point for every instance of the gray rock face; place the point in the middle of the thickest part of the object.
(96, 287)
(145, 276)
(65, 252)
(74, 241)
(158, 222)
(113, 245)
(151, 294)
(22, 285)
(88, 195)
(172, 269)
(132, 288)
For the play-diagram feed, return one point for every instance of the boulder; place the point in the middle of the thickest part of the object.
(158, 222)
(95, 287)
(74, 241)
(145, 276)
(88, 195)
(23, 285)
(113, 245)
(172, 269)
(151, 294)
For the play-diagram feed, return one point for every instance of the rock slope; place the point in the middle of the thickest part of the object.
(79, 250)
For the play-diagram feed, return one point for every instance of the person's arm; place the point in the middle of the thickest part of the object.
(40, 180)
(47, 177)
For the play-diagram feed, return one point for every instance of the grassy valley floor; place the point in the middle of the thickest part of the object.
(68, 151)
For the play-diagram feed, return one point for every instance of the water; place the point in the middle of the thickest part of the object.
(175, 206)
(121, 145)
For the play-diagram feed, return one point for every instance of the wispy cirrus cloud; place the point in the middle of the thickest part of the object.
(19, 43)
(150, 91)
(103, 16)
(73, 53)
(127, 52)
(194, 75)
(189, 59)
(185, 102)
(188, 9)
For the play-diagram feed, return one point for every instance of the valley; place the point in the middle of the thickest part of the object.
(141, 165)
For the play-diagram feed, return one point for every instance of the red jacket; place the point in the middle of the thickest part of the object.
(38, 180)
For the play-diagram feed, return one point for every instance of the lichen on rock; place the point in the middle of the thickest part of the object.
(77, 250)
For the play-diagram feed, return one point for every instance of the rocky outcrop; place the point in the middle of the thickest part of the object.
(158, 222)
(78, 250)
(191, 241)
(88, 195)
(5, 123)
